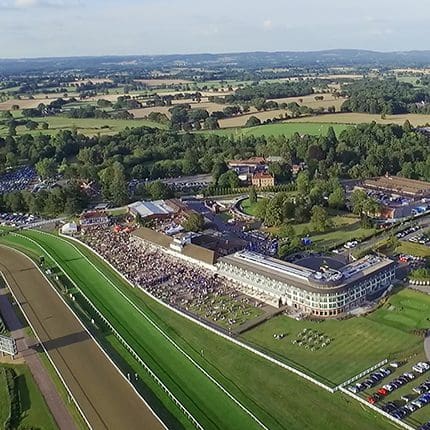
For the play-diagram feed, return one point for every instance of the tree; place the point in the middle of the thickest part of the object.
(194, 222)
(303, 183)
(46, 168)
(252, 196)
(31, 125)
(118, 186)
(218, 169)
(252, 121)
(336, 200)
(358, 200)
(229, 180)
(320, 220)
(159, 190)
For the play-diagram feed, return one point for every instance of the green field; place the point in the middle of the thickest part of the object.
(357, 343)
(416, 249)
(280, 399)
(247, 207)
(87, 126)
(4, 398)
(34, 411)
(283, 129)
(346, 228)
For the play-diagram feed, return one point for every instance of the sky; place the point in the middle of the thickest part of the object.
(60, 28)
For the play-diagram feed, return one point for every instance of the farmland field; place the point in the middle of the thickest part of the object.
(88, 126)
(283, 128)
(359, 118)
(356, 343)
(270, 392)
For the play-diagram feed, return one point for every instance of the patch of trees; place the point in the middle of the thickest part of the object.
(68, 200)
(384, 96)
(274, 90)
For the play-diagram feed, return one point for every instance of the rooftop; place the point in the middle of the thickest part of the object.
(399, 185)
(309, 279)
(156, 207)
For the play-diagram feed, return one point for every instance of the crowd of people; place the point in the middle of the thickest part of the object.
(173, 280)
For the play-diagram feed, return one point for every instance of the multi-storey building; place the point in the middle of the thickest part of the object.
(325, 292)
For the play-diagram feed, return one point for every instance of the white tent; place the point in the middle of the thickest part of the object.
(69, 228)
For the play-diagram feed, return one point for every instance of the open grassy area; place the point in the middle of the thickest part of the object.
(411, 248)
(87, 126)
(269, 391)
(247, 207)
(346, 228)
(34, 411)
(359, 118)
(283, 129)
(356, 343)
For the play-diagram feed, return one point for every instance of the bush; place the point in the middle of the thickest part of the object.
(12, 422)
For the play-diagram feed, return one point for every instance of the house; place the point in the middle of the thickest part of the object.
(263, 180)
(93, 219)
(249, 165)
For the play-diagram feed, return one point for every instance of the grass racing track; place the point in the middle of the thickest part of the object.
(278, 398)
(107, 400)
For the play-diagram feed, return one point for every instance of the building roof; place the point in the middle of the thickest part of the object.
(153, 208)
(262, 175)
(93, 214)
(249, 161)
(309, 279)
(399, 185)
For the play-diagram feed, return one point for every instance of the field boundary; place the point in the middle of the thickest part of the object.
(123, 342)
(207, 327)
(43, 346)
(363, 373)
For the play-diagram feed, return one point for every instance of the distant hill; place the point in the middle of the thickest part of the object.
(246, 60)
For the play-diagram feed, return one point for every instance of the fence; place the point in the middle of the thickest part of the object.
(376, 409)
(363, 373)
(207, 327)
(126, 345)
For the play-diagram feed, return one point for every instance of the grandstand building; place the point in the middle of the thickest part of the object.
(324, 293)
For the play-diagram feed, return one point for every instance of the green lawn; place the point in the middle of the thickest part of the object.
(346, 228)
(280, 399)
(88, 126)
(357, 343)
(248, 208)
(283, 128)
(416, 249)
(35, 412)
(4, 398)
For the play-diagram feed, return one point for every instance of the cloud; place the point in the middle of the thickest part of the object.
(29, 4)
(267, 24)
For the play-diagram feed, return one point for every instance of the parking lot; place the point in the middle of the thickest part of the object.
(401, 389)
(18, 180)
(18, 219)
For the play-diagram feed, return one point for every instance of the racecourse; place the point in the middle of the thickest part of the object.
(278, 398)
(106, 399)
(214, 408)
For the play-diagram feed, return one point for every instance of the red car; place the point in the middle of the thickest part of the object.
(382, 392)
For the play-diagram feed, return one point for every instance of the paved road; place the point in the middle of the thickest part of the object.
(27, 351)
(103, 394)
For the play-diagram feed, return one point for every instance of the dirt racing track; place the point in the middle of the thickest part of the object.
(104, 396)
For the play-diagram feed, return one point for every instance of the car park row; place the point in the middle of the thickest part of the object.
(411, 405)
